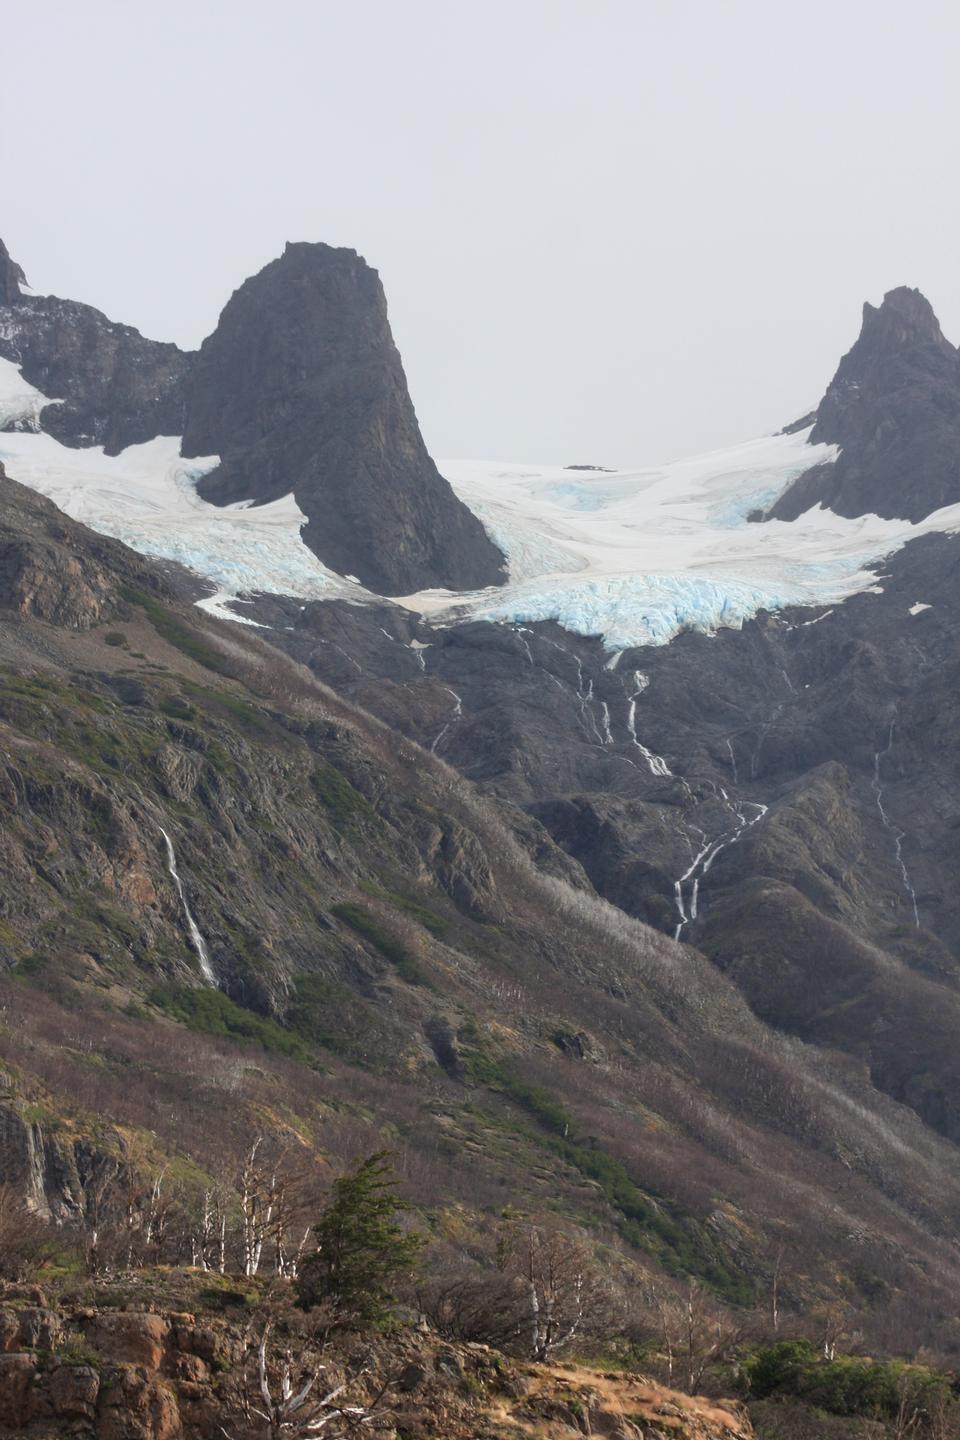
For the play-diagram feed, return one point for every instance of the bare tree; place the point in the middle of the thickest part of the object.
(208, 1236)
(27, 1241)
(775, 1289)
(559, 1282)
(694, 1335)
(292, 1405)
(271, 1205)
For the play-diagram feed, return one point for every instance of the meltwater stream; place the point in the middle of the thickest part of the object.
(898, 835)
(687, 903)
(199, 944)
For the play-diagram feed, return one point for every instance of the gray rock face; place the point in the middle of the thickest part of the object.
(115, 387)
(11, 278)
(301, 388)
(894, 407)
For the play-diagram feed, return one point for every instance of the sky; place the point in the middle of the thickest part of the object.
(610, 231)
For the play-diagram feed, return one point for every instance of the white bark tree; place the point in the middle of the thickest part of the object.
(291, 1403)
(555, 1270)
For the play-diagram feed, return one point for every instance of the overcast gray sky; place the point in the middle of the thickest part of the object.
(610, 231)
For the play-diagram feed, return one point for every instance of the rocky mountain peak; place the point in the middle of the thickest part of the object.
(893, 407)
(11, 278)
(301, 388)
(905, 317)
(900, 353)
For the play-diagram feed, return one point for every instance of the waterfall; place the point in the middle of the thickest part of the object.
(196, 938)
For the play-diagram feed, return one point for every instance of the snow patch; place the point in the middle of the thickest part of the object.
(20, 402)
(147, 497)
(637, 556)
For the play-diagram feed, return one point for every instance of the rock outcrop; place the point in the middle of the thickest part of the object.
(46, 574)
(141, 1374)
(11, 278)
(301, 388)
(894, 409)
(113, 386)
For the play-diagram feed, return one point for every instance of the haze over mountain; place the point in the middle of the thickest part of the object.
(610, 234)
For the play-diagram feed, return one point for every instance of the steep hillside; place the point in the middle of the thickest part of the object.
(355, 945)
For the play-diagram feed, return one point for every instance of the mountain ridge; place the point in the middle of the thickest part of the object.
(334, 425)
(664, 941)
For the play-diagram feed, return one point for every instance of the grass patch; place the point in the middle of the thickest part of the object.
(213, 1013)
(338, 797)
(172, 629)
(407, 966)
(429, 919)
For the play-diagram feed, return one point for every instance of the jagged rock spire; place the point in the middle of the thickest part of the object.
(11, 278)
(893, 407)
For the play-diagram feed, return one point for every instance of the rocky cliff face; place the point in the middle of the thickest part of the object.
(894, 408)
(300, 387)
(113, 387)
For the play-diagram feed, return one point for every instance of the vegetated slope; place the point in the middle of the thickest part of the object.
(394, 958)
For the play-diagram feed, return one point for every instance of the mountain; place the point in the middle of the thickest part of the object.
(894, 409)
(300, 390)
(108, 385)
(397, 947)
(623, 892)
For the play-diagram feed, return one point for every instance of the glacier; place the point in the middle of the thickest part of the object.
(637, 556)
(633, 556)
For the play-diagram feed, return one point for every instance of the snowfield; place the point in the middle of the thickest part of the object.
(632, 555)
(636, 556)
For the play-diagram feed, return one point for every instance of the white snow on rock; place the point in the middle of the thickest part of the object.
(20, 402)
(636, 556)
(919, 608)
(632, 555)
(147, 497)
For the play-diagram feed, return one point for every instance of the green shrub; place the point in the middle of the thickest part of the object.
(849, 1385)
(407, 966)
(361, 1248)
(177, 708)
(213, 1013)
